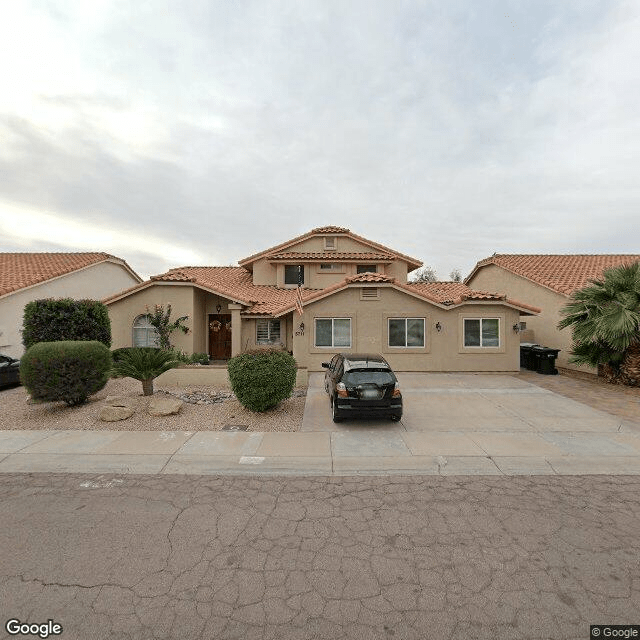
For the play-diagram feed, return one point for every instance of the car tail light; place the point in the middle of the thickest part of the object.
(396, 391)
(341, 389)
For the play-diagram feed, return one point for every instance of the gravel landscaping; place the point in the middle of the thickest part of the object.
(204, 409)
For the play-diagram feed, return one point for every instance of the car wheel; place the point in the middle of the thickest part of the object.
(334, 412)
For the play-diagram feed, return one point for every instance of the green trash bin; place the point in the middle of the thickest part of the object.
(545, 360)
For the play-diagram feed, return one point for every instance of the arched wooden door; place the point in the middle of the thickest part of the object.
(220, 336)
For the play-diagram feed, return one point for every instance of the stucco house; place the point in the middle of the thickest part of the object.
(354, 297)
(546, 281)
(32, 276)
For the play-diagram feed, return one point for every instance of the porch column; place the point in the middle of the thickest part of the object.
(236, 328)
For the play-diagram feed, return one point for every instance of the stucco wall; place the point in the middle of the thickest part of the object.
(124, 312)
(443, 350)
(95, 282)
(494, 278)
(264, 273)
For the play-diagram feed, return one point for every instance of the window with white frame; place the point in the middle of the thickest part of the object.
(406, 332)
(144, 333)
(330, 243)
(481, 332)
(333, 332)
(267, 331)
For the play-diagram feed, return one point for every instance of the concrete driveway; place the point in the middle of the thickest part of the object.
(492, 420)
(467, 403)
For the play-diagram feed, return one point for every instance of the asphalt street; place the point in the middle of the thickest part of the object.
(376, 558)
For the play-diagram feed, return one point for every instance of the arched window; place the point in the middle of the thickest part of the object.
(144, 334)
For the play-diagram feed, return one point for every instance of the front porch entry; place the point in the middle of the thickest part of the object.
(219, 336)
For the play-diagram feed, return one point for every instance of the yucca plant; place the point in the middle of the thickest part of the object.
(605, 320)
(144, 364)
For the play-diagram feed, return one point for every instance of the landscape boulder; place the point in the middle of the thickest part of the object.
(164, 406)
(114, 414)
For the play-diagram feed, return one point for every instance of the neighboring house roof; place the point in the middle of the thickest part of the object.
(412, 263)
(21, 270)
(563, 274)
(234, 283)
(331, 255)
(444, 294)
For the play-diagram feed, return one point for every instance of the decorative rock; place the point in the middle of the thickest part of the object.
(114, 414)
(164, 406)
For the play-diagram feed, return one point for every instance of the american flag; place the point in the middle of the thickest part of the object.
(299, 300)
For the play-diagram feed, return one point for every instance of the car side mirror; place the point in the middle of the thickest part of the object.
(325, 365)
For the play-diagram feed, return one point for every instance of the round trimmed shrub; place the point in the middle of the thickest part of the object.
(262, 379)
(67, 371)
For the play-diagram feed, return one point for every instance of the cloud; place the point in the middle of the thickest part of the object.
(446, 132)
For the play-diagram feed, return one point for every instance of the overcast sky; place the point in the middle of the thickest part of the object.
(199, 132)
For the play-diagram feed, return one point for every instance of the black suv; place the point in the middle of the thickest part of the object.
(362, 384)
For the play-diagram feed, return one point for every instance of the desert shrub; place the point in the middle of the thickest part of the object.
(68, 371)
(144, 364)
(200, 358)
(262, 378)
(65, 319)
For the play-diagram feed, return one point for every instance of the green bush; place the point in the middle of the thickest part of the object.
(144, 364)
(67, 371)
(200, 358)
(262, 379)
(66, 319)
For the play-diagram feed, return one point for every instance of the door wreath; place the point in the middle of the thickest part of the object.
(216, 325)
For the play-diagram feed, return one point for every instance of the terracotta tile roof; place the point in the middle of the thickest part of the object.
(370, 277)
(562, 273)
(413, 263)
(330, 255)
(234, 283)
(20, 270)
(457, 292)
(441, 293)
(330, 229)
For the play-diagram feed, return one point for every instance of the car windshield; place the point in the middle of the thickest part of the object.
(368, 376)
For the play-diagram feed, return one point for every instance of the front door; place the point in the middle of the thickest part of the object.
(220, 336)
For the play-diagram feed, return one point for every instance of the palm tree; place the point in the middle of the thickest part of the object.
(605, 317)
(144, 364)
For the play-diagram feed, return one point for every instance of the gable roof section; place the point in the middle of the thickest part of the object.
(412, 263)
(442, 294)
(21, 270)
(562, 273)
(233, 283)
(355, 256)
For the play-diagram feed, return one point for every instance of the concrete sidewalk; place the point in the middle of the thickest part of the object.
(364, 451)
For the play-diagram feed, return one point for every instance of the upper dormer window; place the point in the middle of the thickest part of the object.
(330, 243)
(294, 274)
(366, 268)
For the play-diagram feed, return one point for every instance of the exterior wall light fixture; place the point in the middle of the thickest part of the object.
(438, 327)
(516, 327)
(218, 308)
